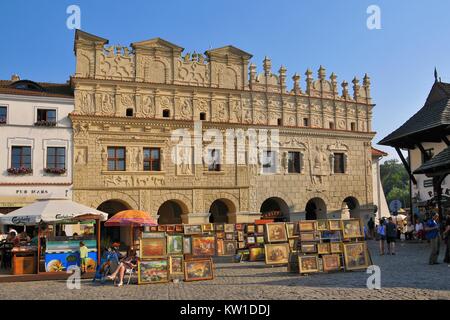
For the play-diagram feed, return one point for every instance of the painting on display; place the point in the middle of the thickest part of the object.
(153, 271)
(334, 225)
(308, 264)
(162, 228)
(170, 228)
(356, 256)
(192, 229)
(257, 254)
(308, 236)
(219, 227)
(175, 244)
(259, 228)
(229, 227)
(208, 227)
(251, 240)
(251, 228)
(179, 228)
(229, 236)
(146, 235)
(335, 247)
(152, 247)
(277, 253)
(239, 227)
(307, 225)
(200, 269)
(291, 230)
(220, 234)
(240, 236)
(260, 240)
(241, 245)
(323, 248)
(219, 247)
(276, 232)
(352, 229)
(308, 248)
(229, 248)
(187, 245)
(322, 225)
(203, 245)
(331, 262)
(176, 265)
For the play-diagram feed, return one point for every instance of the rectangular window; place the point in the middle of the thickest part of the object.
(21, 157)
(152, 159)
(116, 158)
(46, 115)
(269, 163)
(353, 126)
(214, 160)
(305, 122)
(428, 183)
(428, 155)
(294, 162)
(339, 163)
(3, 114)
(56, 158)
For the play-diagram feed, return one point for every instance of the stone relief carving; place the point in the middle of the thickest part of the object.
(105, 158)
(107, 104)
(148, 106)
(81, 130)
(117, 62)
(80, 156)
(186, 108)
(202, 105)
(127, 100)
(86, 102)
(293, 142)
(220, 114)
(184, 160)
(236, 111)
(193, 72)
(134, 181)
(320, 164)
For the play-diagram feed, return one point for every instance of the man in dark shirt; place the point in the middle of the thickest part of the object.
(432, 233)
(391, 235)
(371, 225)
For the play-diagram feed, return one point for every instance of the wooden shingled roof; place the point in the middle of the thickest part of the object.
(438, 164)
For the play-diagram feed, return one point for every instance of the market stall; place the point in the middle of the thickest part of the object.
(56, 250)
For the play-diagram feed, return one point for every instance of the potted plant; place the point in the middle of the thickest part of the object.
(19, 171)
(45, 123)
(55, 170)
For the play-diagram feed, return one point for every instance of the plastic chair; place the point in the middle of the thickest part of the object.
(130, 272)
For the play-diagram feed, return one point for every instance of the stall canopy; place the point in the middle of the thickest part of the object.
(50, 211)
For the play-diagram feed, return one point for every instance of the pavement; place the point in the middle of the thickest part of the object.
(405, 276)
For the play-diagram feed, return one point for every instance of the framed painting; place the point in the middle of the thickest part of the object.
(277, 253)
(260, 228)
(220, 235)
(244, 254)
(229, 248)
(251, 240)
(292, 244)
(322, 225)
(153, 271)
(152, 247)
(307, 225)
(219, 247)
(276, 232)
(290, 230)
(241, 245)
(356, 256)
(192, 229)
(352, 229)
(207, 227)
(334, 225)
(162, 228)
(239, 227)
(228, 227)
(335, 247)
(260, 239)
(251, 228)
(307, 236)
(170, 228)
(323, 248)
(179, 228)
(229, 236)
(219, 227)
(176, 265)
(175, 244)
(153, 228)
(187, 245)
(147, 235)
(308, 264)
(200, 269)
(331, 262)
(240, 236)
(203, 246)
(308, 248)
(257, 254)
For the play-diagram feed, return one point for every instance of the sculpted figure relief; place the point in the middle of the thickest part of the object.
(107, 104)
(186, 109)
(320, 165)
(87, 103)
(148, 107)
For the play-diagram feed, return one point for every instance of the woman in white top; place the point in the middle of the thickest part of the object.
(418, 230)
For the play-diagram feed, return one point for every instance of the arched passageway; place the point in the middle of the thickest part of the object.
(275, 208)
(316, 209)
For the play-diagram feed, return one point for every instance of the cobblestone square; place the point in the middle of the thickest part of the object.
(406, 275)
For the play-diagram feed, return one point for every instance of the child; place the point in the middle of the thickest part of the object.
(83, 256)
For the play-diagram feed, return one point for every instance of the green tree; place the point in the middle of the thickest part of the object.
(395, 181)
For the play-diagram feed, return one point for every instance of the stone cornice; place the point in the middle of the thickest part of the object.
(176, 124)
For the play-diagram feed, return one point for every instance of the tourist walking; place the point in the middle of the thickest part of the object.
(381, 235)
(446, 236)
(432, 233)
(391, 235)
(371, 226)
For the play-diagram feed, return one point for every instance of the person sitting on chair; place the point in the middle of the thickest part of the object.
(129, 262)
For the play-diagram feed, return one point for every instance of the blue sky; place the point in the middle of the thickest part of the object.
(400, 58)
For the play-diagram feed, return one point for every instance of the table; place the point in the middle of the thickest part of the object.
(24, 260)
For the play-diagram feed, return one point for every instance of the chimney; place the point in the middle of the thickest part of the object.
(15, 77)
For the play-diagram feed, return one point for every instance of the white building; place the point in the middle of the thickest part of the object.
(35, 142)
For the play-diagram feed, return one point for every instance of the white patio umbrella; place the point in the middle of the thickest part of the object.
(50, 211)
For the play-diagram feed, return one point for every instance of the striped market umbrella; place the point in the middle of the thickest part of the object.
(132, 218)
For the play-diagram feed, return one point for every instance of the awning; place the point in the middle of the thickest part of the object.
(51, 211)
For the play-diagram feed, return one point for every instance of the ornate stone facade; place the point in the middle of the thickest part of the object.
(135, 97)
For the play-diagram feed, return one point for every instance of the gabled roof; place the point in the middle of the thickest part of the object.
(439, 163)
(434, 115)
(156, 42)
(88, 36)
(31, 88)
(229, 49)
